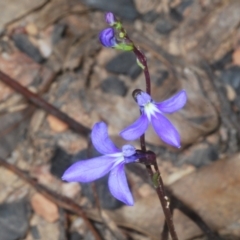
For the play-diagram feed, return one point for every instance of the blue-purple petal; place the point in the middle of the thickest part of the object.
(89, 170)
(107, 37)
(174, 103)
(135, 130)
(165, 130)
(101, 140)
(118, 185)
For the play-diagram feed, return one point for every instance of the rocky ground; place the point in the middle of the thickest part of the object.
(51, 48)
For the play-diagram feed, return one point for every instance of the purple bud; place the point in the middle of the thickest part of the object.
(107, 37)
(110, 18)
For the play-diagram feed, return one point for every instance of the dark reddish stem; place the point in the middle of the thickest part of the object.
(141, 57)
(40, 102)
(160, 186)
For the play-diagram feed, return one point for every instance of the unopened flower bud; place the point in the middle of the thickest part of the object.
(107, 37)
(110, 18)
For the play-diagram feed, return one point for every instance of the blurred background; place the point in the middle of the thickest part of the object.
(51, 48)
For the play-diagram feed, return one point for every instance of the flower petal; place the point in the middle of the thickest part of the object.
(101, 140)
(174, 103)
(118, 185)
(165, 130)
(89, 170)
(135, 130)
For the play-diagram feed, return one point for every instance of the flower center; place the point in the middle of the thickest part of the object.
(150, 109)
(128, 150)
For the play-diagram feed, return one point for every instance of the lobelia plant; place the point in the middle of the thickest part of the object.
(114, 159)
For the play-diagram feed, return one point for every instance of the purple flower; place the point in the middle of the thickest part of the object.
(155, 113)
(110, 18)
(112, 161)
(107, 37)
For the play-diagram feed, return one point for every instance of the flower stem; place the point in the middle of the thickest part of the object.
(159, 183)
(141, 57)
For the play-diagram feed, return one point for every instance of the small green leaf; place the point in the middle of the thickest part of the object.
(140, 64)
(117, 25)
(124, 47)
(155, 179)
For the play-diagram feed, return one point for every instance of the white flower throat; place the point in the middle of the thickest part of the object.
(150, 109)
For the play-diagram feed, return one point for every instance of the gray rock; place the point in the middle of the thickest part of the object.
(231, 76)
(114, 85)
(150, 16)
(201, 157)
(58, 32)
(14, 220)
(75, 236)
(124, 63)
(160, 78)
(164, 25)
(124, 9)
(60, 161)
(23, 44)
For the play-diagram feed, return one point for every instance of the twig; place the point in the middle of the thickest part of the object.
(40, 102)
(58, 199)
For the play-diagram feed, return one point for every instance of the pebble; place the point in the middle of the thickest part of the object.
(114, 86)
(24, 44)
(231, 94)
(56, 125)
(14, 220)
(60, 161)
(45, 47)
(44, 208)
(31, 29)
(70, 189)
(236, 57)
